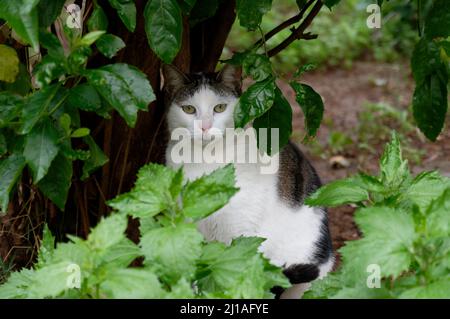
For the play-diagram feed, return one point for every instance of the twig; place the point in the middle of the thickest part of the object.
(298, 33)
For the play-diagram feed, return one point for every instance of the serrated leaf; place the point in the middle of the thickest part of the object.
(209, 193)
(254, 102)
(164, 27)
(46, 247)
(439, 289)
(250, 12)
(394, 170)
(22, 16)
(172, 251)
(56, 183)
(279, 116)
(126, 11)
(121, 254)
(438, 215)
(96, 159)
(9, 64)
(109, 232)
(109, 45)
(41, 147)
(10, 171)
(338, 193)
(312, 106)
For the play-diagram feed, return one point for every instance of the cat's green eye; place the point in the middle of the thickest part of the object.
(219, 108)
(189, 109)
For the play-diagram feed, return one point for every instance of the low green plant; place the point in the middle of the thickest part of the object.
(178, 262)
(405, 223)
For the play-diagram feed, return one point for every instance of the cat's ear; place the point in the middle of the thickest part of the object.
(231, 76)
(174, 79)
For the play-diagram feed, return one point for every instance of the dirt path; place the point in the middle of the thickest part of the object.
(344, 92)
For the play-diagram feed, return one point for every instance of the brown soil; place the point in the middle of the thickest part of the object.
(344, 91)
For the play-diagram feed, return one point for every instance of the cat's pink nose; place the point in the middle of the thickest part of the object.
(206, 126)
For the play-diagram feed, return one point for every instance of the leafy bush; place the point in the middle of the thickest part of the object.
(178, 263)
(405, 223)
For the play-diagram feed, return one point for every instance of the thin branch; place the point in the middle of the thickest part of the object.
(298, 33)
(285, 24)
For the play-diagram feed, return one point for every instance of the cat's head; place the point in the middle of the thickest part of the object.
(203, 103)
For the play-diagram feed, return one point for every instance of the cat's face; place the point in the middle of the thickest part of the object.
(202, 103)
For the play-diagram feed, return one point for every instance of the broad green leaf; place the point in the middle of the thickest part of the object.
(425, 187)
(10, 106)
(84, 97)
(36, 105)
(109, 45)
(156, 189)
(394, 170)
(181, 290)
(172, 251)
(49, 10)
(388, 239)
(209, 193)
(425, 60)
(121, 254)
(254, 102)
(338, 193)
(130, 283)
(430, 105)
(109, 232)
(17, 284)
(47, 70)
(22, 16)
(258, 66)
(98, 19)
(89, 38)
(51, 43)
(126, 11)
(164, 27)
(439, 289)
(22, 85)
(437, 22)
(10, 171)
(438, 215)
(9, 64)
(312, 106)
(41, 147)
(56, 183)
(250, 12)
(279, 116)
(124, 87)
(96, 159)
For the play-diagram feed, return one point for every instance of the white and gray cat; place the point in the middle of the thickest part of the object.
(267, 205)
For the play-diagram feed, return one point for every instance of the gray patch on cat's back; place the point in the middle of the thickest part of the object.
(297, 179)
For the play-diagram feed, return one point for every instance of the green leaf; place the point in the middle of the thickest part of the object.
(49, 10)
(312, 106)
(209, 193)
(124, 87)
(425, 187)
(80, 132)
(437, 22)
(338, 193)
(109, 45)
(126, 11)
(84, 97)
(172, 251)
(130, 283)
(46, 247)
(3, 144)
(164, 27)
(331, 3)
(279, 116)
(425, 60)
(439, 289)
(41, 147)
(187, 5)
(9, 64)
(10, 171)
(47, 70)
(89, 38)
(17, 284)
(51, 42)
(22, 16)
(98, 19)
(121, 254)
(254, 102)
(56, 183)
(96, 160)
(156, 189)
(388, 239)
(10, 106)
(109, 232)
(250, 12)
(22, 85)
(438, 217)
(394, 170)
(36, 105)
(258, 66)
(430, 105)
